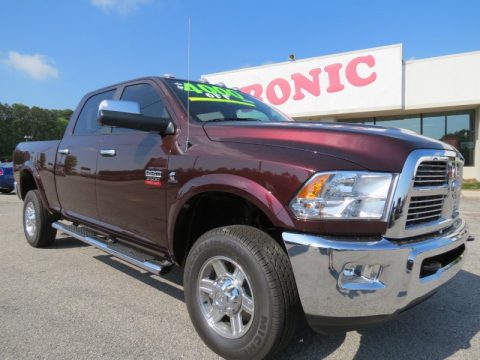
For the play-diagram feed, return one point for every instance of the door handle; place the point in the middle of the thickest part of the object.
(64, 151)
(108, 152)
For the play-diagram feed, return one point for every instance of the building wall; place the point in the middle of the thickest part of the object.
(445, 81)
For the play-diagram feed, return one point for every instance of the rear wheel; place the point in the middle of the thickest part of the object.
(37, 221)
(240, 292)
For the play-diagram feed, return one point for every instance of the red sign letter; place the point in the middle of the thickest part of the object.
(334, 78)
(352, 74)
(255, 90)
(284, 88)
(301, 82)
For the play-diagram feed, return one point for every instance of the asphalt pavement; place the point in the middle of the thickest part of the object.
(72, 301)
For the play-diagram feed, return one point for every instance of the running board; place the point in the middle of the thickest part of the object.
(142, 260)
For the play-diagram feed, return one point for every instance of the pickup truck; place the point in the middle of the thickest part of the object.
(270, 218)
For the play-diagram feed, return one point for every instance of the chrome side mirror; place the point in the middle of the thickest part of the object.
(127, 114)
(123, 106)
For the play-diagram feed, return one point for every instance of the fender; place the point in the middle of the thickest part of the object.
(232, 184)
(28, 167)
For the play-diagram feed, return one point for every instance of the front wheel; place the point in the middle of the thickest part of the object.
(6, 191)
(37, 221)
(240, 292)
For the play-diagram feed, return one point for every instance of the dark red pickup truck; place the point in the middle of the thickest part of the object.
(350, 224)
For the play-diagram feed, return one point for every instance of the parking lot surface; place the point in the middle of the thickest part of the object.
(73, 301)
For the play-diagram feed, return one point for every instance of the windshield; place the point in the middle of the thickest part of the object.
(217, 103)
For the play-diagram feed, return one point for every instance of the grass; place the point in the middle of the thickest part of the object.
(471, 184)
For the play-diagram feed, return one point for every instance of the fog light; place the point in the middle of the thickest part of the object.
(361, 277)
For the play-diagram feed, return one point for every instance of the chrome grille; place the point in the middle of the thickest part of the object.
(431, 173)
(424, 209)
(427, 194)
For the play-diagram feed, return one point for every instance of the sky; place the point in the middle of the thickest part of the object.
(52, 52)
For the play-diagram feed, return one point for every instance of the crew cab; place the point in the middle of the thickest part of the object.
(270, 218)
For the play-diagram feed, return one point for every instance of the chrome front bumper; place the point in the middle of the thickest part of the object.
(329, 290)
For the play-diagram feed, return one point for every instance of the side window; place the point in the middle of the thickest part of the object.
(147, 97)
(87, 123)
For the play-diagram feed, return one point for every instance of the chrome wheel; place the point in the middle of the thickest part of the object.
(30, 219)
(226, 297)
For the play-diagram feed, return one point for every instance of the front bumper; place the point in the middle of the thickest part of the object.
(335, 298)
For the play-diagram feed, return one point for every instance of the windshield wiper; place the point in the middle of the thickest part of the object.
(232, 119)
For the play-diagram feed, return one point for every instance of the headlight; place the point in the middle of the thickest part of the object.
(343, 195)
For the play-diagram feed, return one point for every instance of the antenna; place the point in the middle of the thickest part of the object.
(187, 143)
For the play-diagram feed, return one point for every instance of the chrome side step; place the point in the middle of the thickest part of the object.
(133, 256)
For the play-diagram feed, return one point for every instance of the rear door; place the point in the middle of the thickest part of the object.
(132, 173)
(76, 166)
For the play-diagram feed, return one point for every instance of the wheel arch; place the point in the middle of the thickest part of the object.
(241, 191)
(29, 179)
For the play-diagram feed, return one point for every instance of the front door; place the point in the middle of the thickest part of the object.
(132, 174)
(76, 164)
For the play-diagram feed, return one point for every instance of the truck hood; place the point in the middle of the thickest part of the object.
(374, 148)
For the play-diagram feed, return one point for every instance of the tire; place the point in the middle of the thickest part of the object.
(269, 283)
(6, 191)
(37, 221)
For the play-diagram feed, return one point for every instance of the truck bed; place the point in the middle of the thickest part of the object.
(40, 157)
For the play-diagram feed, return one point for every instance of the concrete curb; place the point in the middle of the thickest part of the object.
(471, 194)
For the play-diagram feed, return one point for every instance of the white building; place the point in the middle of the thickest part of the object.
(437, 97)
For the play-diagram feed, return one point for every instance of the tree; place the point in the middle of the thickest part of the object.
(18, 121)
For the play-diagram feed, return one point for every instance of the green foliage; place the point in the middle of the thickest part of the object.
(471, 184)
(18, 121)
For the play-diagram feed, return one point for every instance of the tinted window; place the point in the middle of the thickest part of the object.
(434, 126)
(87, 123)
(410, 123)
(460, 134)
(147, 97)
